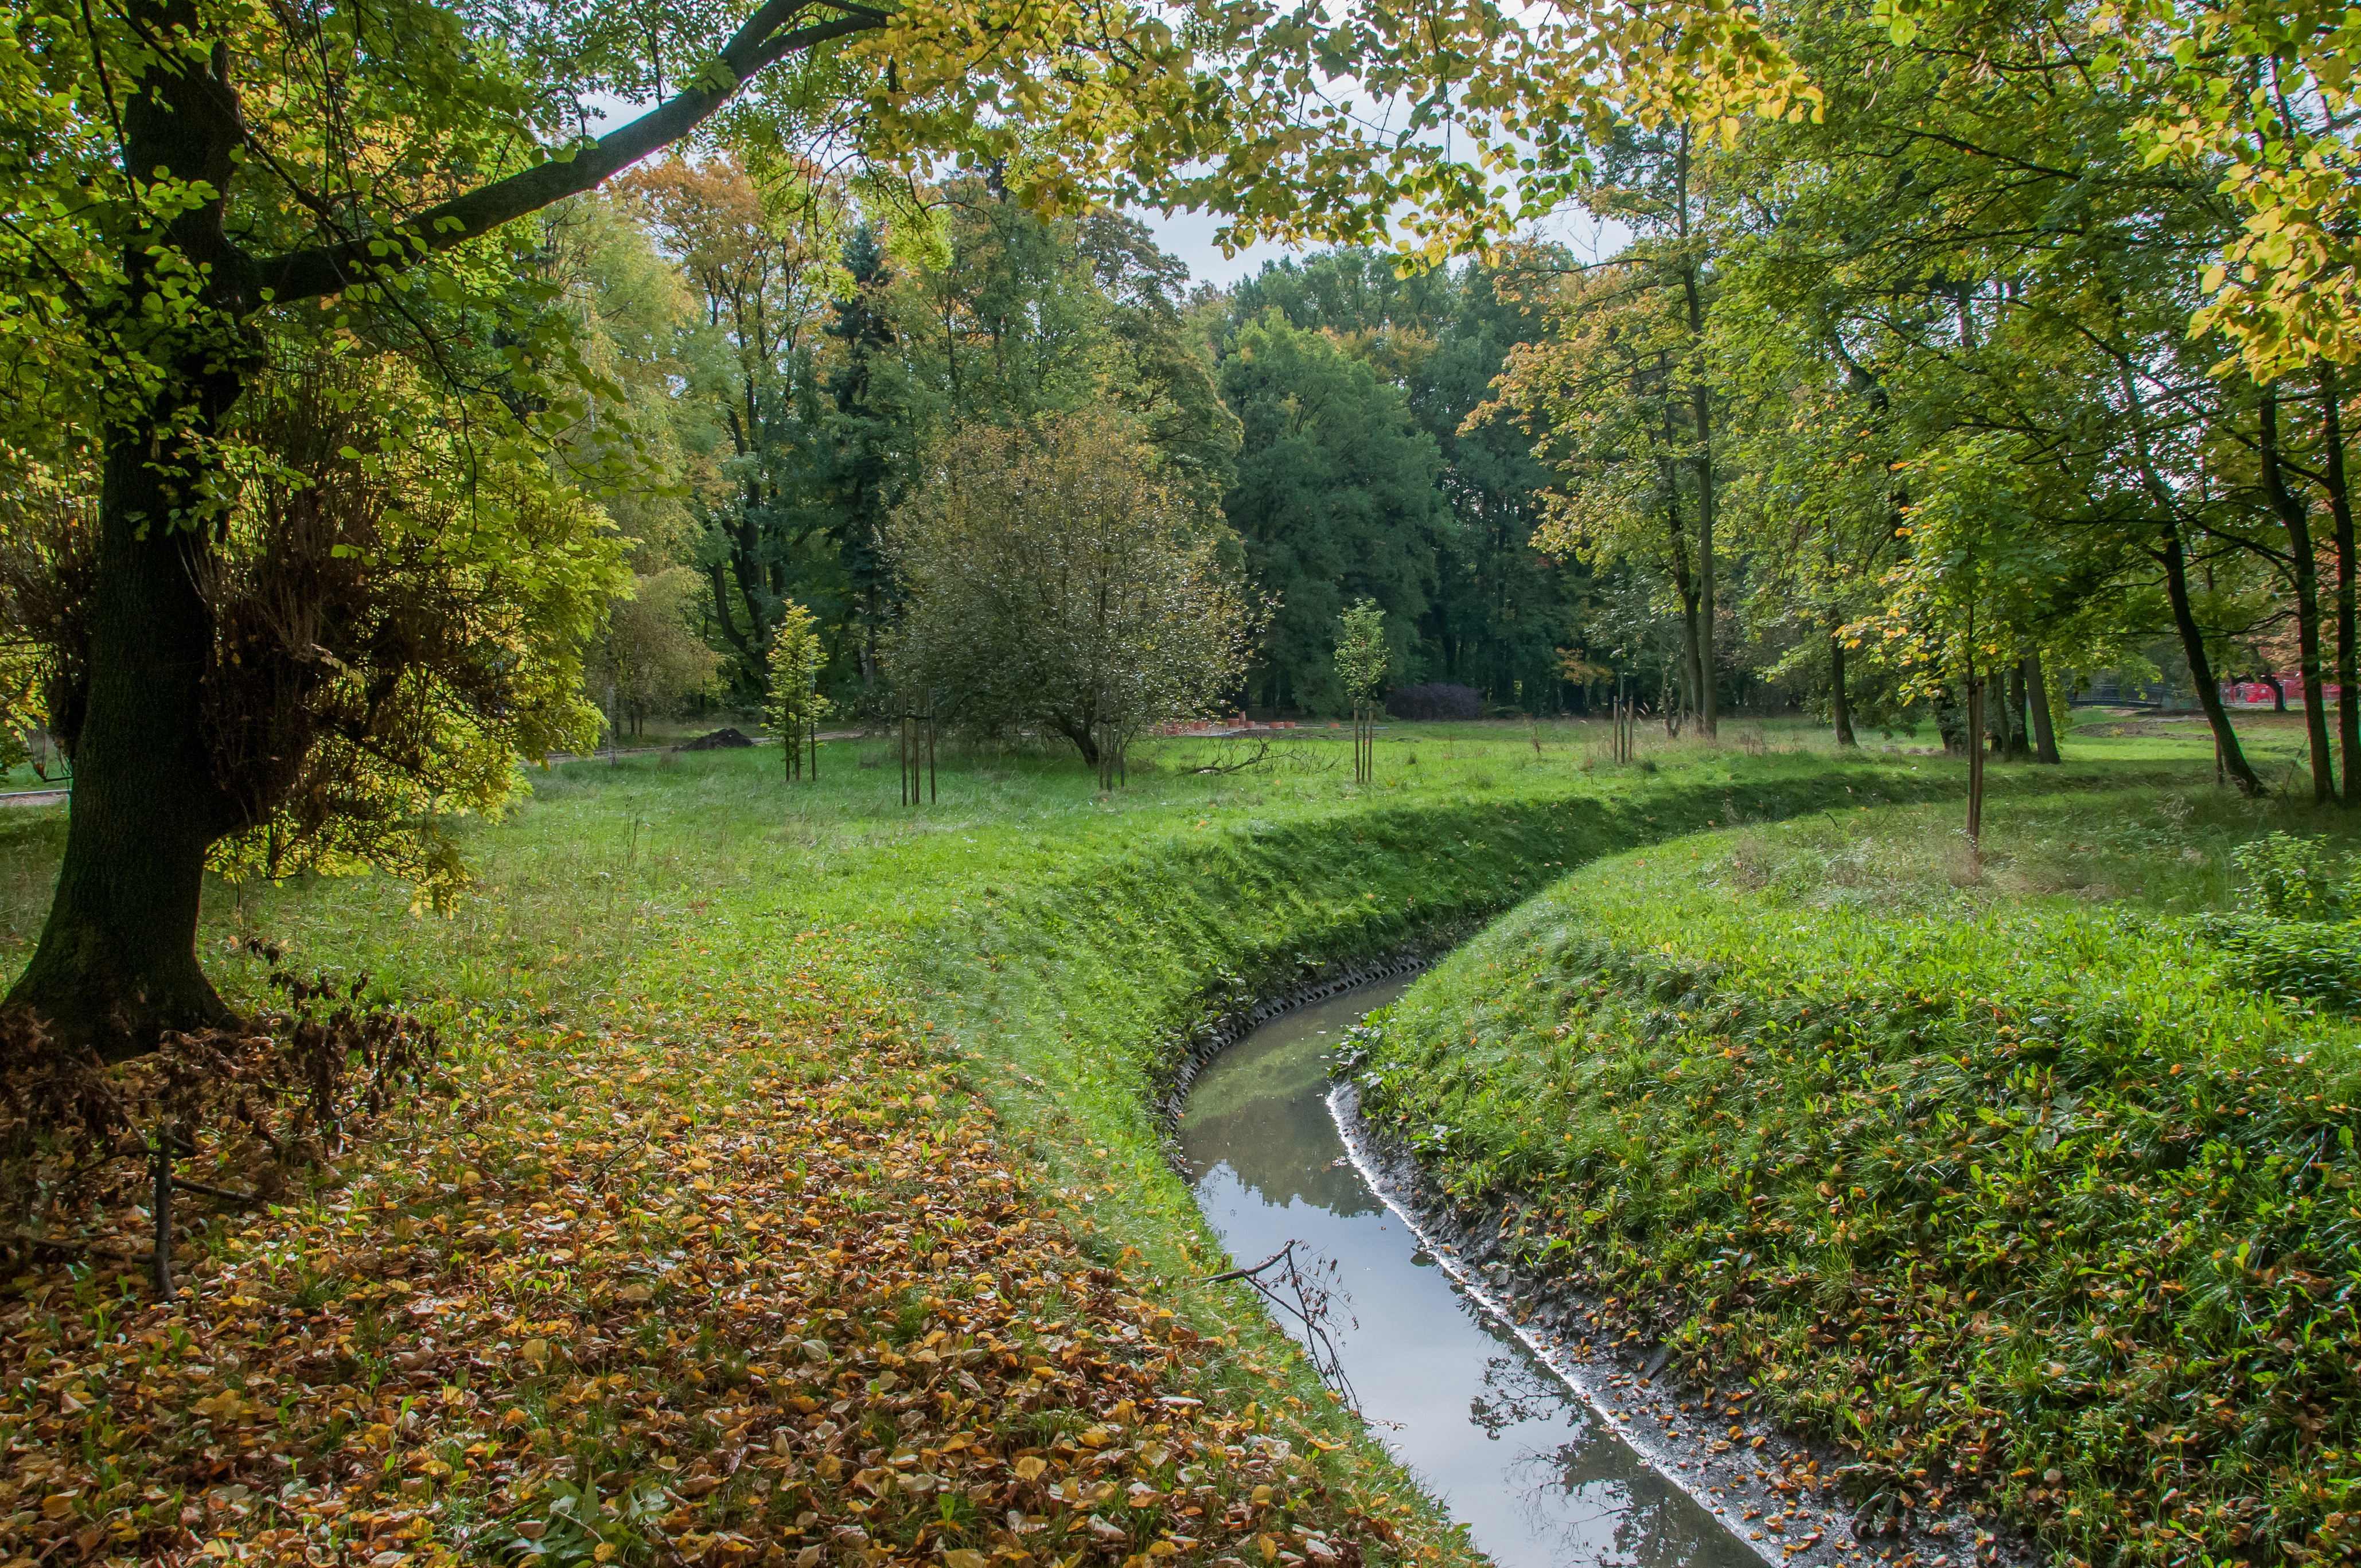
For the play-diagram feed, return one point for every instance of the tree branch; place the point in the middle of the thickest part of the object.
(326, 268)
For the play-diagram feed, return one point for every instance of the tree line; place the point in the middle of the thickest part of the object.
(807, 376)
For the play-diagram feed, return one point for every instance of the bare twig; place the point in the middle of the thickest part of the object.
(1313, 1305)
(1250, 1273)
(252, 1199)
(1254, 761)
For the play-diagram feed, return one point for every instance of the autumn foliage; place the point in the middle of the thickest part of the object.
(767, 1294)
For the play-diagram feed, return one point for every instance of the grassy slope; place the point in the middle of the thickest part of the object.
(1062, 938)
(1988, 1176)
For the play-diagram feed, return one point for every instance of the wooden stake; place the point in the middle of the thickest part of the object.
(166, 1291)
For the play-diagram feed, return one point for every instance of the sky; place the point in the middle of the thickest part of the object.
(1190, 237)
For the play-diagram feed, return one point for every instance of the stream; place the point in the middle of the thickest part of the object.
(1540, 1477)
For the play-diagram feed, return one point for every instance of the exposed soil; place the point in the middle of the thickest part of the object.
(719, 740)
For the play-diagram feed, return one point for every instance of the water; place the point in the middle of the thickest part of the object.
(1541, 1478)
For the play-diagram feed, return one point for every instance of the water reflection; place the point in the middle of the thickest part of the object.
(1539, 1478)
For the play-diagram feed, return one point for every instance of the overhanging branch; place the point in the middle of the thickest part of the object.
(327, 269)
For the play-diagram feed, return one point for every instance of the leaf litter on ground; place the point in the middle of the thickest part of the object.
(761, 1287)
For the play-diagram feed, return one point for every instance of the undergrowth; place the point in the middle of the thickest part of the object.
(2011, 1191)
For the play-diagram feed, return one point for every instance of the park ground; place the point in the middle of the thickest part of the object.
(789, 1189)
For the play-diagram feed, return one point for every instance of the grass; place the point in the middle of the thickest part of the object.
(1981, 1165)
(692, 931)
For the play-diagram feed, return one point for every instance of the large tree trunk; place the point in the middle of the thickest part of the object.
(2036, 689)
(2295, 515)
(117, 959)
(2200, 668)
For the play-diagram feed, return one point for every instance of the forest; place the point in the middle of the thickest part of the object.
(1848, 400)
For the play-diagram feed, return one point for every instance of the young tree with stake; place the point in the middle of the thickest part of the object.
(795, 705)
(1362, 665)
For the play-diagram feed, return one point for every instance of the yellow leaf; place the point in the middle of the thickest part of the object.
(962, 1559)
(536, 1351)
(1029, 1468)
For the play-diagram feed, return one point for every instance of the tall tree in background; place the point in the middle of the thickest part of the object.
(867, 434)
(1336, 500)
(1610, 399)
(1499, 607)
(1658, 180)
(759, 271)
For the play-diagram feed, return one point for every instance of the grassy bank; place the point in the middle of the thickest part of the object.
(687, 999)
(1980, 1168)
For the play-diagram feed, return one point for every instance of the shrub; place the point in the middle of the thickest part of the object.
(2291, 879)
(1436, 702)
(252, 1104)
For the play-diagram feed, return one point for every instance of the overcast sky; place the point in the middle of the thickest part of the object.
(1190, 237)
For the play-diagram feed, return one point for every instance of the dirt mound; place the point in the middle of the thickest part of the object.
(720, 740)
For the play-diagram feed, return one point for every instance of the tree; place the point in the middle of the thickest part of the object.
(1612, 401)
(1362, 663)
(795, 704)
(1336, 500)
(867, 434)
(1054, 580)
(761, 271)
(648, 659)
(375, 654)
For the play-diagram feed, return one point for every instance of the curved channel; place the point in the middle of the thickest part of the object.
(1540, 1478)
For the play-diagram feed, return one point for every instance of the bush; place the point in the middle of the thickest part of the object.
(251, 1105)
(1436, 702)
(2291, 880)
